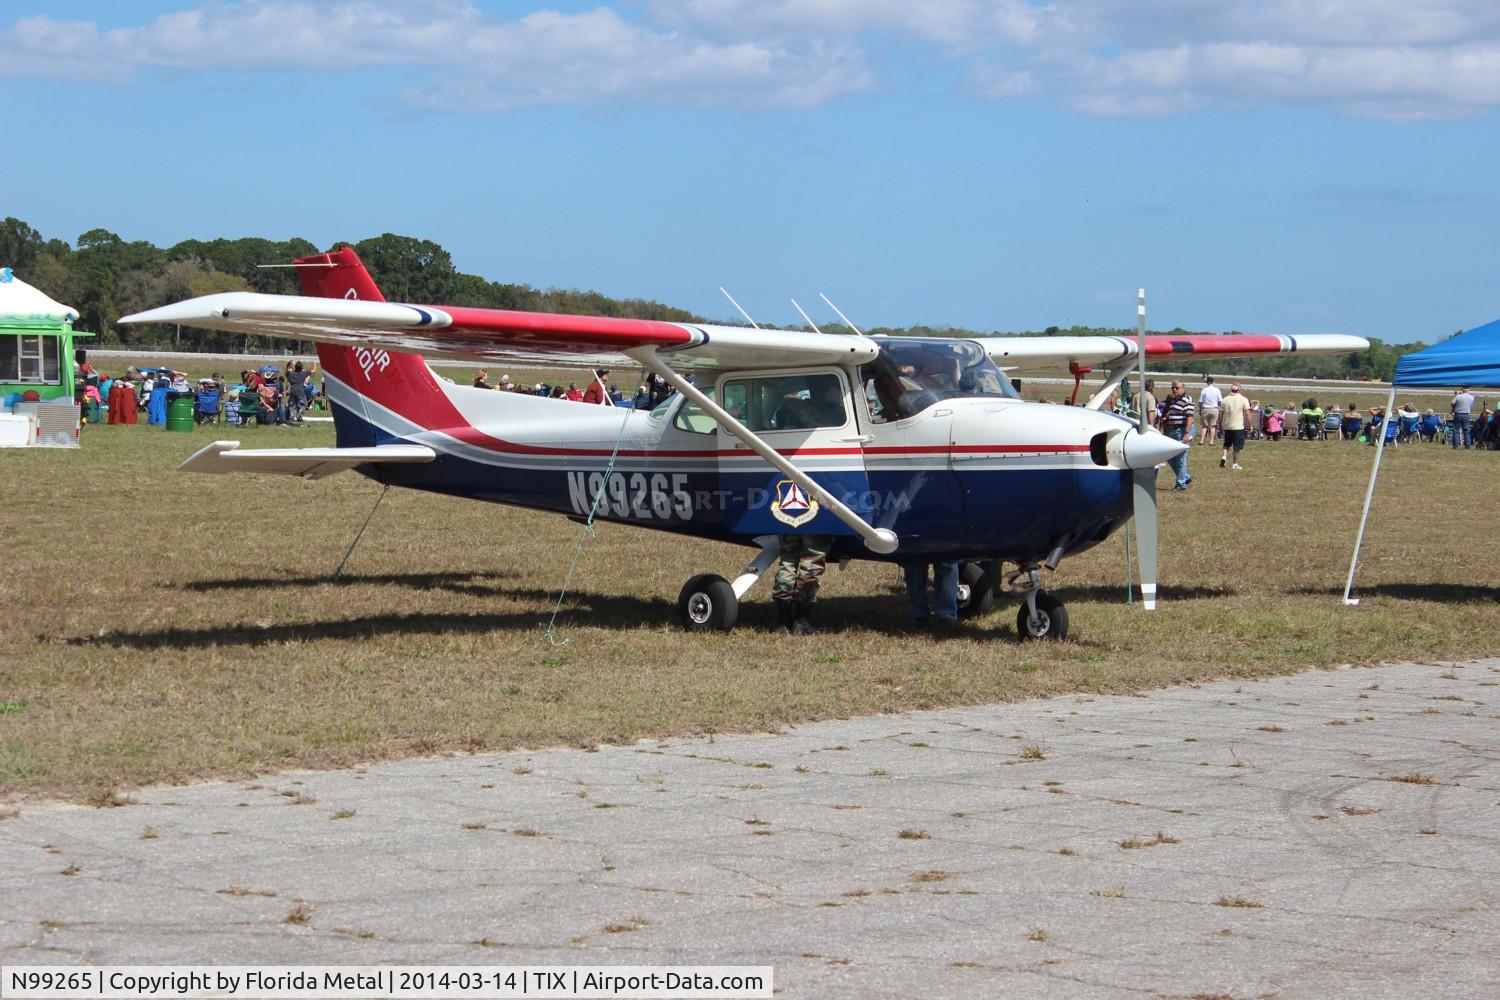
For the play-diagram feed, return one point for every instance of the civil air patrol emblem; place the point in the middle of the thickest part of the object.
(792, 505)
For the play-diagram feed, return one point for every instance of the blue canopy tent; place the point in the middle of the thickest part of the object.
(1471, 359)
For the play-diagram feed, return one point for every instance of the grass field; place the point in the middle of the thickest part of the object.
(160, 627)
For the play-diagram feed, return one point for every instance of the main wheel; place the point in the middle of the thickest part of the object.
(1050, 621)
(707, 604)
(976, 590)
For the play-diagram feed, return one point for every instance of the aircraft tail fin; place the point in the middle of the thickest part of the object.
(337, 274)
(357, 376)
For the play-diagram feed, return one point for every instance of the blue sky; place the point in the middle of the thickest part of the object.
(1261, 165)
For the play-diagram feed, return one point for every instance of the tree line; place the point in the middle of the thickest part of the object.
(105, 277)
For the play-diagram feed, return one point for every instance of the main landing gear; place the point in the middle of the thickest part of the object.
(710, 603)
(1041, 616)
(976, 588)
(707, 604)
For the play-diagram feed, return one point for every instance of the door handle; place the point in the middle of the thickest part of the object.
(858, 438)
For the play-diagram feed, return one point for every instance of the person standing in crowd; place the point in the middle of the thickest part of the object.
(1235, 413)
(1463, 408)
(660, 390)
(1148, 396)
(1209, 400)
(597, 391)
(482, 380)
(799, 572)
(1275, 423)
(298, 392)
(942, 613)
(1178, 423)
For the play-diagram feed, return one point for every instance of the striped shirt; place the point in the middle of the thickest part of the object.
(1179, 411)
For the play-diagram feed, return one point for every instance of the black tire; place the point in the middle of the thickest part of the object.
(707, 604)
(1051, 621)
(976, 590)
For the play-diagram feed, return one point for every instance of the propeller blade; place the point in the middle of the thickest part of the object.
(1143, 484)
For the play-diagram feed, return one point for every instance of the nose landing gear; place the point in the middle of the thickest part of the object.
(1041, 616)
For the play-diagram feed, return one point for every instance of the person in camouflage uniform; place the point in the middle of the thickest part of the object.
(799, 569)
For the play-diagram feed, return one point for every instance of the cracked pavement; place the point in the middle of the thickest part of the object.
(1323, 835)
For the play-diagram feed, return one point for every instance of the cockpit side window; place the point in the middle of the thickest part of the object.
(910, 374)
(691, 417)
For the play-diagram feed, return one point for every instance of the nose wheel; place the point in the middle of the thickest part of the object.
(707, 604)
(1048, 619)
(1041, 616)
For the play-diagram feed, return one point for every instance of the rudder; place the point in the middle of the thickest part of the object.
(349, 371)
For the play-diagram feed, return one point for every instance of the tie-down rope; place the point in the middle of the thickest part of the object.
(588, 530)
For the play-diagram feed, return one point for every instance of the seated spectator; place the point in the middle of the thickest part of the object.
(270, 411)
(482, 380)
(1430, 426)
(1310, 421)
(1407, 421)
(1486, 432)
(574, 393)
(1333, 423)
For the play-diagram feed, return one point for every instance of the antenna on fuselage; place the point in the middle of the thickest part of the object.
(806, 317)
(737, 306)
(841, 314)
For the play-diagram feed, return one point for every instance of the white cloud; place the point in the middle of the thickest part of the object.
(479, 62)
(1396, 59)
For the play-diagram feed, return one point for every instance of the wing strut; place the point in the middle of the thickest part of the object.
(881, 540)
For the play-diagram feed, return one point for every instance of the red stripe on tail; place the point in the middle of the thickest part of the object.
(385, 376)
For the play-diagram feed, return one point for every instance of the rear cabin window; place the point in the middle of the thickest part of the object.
(787, 402)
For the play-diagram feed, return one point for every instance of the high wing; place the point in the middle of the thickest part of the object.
(1111, 352)
(501, 335)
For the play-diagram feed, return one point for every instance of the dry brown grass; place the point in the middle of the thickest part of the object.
(166, 628)
(1237, 902)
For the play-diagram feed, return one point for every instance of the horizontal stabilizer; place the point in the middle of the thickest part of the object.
(309, 463)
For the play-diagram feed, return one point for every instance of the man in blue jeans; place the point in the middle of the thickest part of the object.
(1178, 424)
(1463, 408)
(944, 592)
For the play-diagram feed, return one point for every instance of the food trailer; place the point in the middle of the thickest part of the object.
(37, 367)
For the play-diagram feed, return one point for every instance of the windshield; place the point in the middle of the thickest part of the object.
(911, 373)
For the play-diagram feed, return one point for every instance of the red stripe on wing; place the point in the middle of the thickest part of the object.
(1229, 344)
(611, 332)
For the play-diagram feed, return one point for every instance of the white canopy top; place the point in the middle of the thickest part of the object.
(20, 301)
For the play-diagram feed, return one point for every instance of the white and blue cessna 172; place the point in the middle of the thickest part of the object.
(903, 449)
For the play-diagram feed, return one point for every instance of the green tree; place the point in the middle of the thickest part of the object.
(408, 269)
(20, 246)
